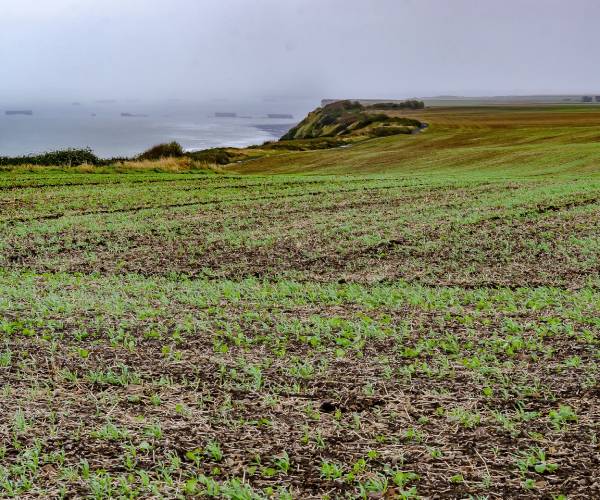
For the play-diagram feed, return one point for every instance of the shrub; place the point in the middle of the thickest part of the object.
(339, 107)
(307, 144)
(219, 156)
(385, 131)
(409, 104)
(410, 122)
(63, 157)
(166, 150)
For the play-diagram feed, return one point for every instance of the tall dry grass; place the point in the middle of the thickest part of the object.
(169, 165)
(165, 165)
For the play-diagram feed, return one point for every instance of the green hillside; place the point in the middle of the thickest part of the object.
(510, 140)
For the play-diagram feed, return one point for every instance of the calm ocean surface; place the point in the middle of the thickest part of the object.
(100, 126)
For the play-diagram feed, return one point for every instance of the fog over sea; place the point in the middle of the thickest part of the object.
(99, 125)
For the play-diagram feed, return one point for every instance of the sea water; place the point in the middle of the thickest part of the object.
(100, 125)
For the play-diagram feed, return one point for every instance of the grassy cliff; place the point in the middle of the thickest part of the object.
(350, 119)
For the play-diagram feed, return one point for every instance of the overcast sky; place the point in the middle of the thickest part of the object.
(316, 48)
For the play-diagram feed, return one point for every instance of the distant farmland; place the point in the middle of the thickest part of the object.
(410, 316)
